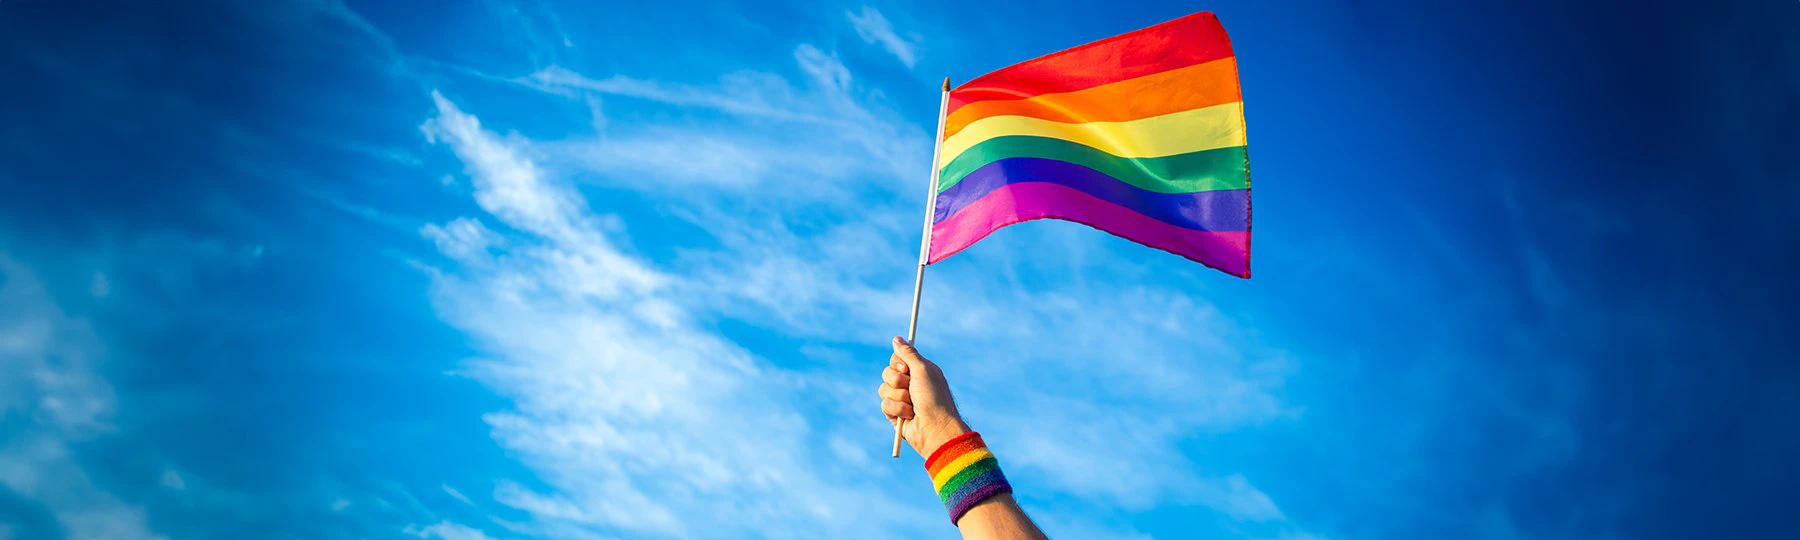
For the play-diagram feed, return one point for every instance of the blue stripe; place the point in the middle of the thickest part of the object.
(983, 479)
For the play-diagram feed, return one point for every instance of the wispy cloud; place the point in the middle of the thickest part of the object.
(821, 138)
(458, 495)
(637, 417)
(445, 530)
(51, 398)
(1156, 352)
(172, 479)
(875, 29)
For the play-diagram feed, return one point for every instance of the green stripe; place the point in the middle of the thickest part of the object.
(1206, 170)
(979, 466)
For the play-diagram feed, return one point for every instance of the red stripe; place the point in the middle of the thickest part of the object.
(1183, 42)
(939, 453)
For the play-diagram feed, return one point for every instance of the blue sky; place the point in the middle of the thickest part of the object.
(510, 269)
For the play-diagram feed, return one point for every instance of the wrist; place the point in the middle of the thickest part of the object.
(965, 474)
(934, 436)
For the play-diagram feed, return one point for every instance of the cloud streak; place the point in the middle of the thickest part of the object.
(875, 29)
(637, 417)
(51, 399)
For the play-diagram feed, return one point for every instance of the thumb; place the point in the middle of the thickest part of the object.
(915, 365)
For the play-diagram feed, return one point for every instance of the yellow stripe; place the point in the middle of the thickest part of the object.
(1206, 128)
(957, 465)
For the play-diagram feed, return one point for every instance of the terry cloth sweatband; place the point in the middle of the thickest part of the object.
(965, 473)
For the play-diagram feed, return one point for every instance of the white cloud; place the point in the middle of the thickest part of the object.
(445, 530)
(100, 287)
(1159, 367)
(875, 29)
(458, 495)
(1237, 498)
(173, 480)
(761, 88)
(817, 141)
(51, 398)
(638, 418)
(462, 238)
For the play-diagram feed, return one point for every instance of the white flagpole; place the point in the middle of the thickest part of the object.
(937, 145)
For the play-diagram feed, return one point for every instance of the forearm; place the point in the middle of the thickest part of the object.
(975, 492)
(998, 518)
(964, 472)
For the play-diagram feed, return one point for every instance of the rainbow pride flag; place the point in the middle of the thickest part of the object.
(1140, 135)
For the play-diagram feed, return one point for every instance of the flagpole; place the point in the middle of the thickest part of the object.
(937, 145)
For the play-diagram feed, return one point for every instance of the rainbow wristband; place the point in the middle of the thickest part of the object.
(965, 473)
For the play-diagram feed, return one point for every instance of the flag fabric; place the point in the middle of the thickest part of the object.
(1140, 135)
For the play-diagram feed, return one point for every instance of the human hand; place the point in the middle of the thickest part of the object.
(914, 392)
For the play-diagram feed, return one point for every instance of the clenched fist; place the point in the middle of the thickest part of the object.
(914, 393)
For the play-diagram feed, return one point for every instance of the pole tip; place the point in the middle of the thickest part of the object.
(946, 84)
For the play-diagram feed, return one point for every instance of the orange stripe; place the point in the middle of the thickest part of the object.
(1156, 94)
(954, 451)
(949, 445)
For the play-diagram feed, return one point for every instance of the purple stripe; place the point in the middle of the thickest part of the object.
(1227, 251)
(975, 497)
(974, 482)
(1219, 210)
